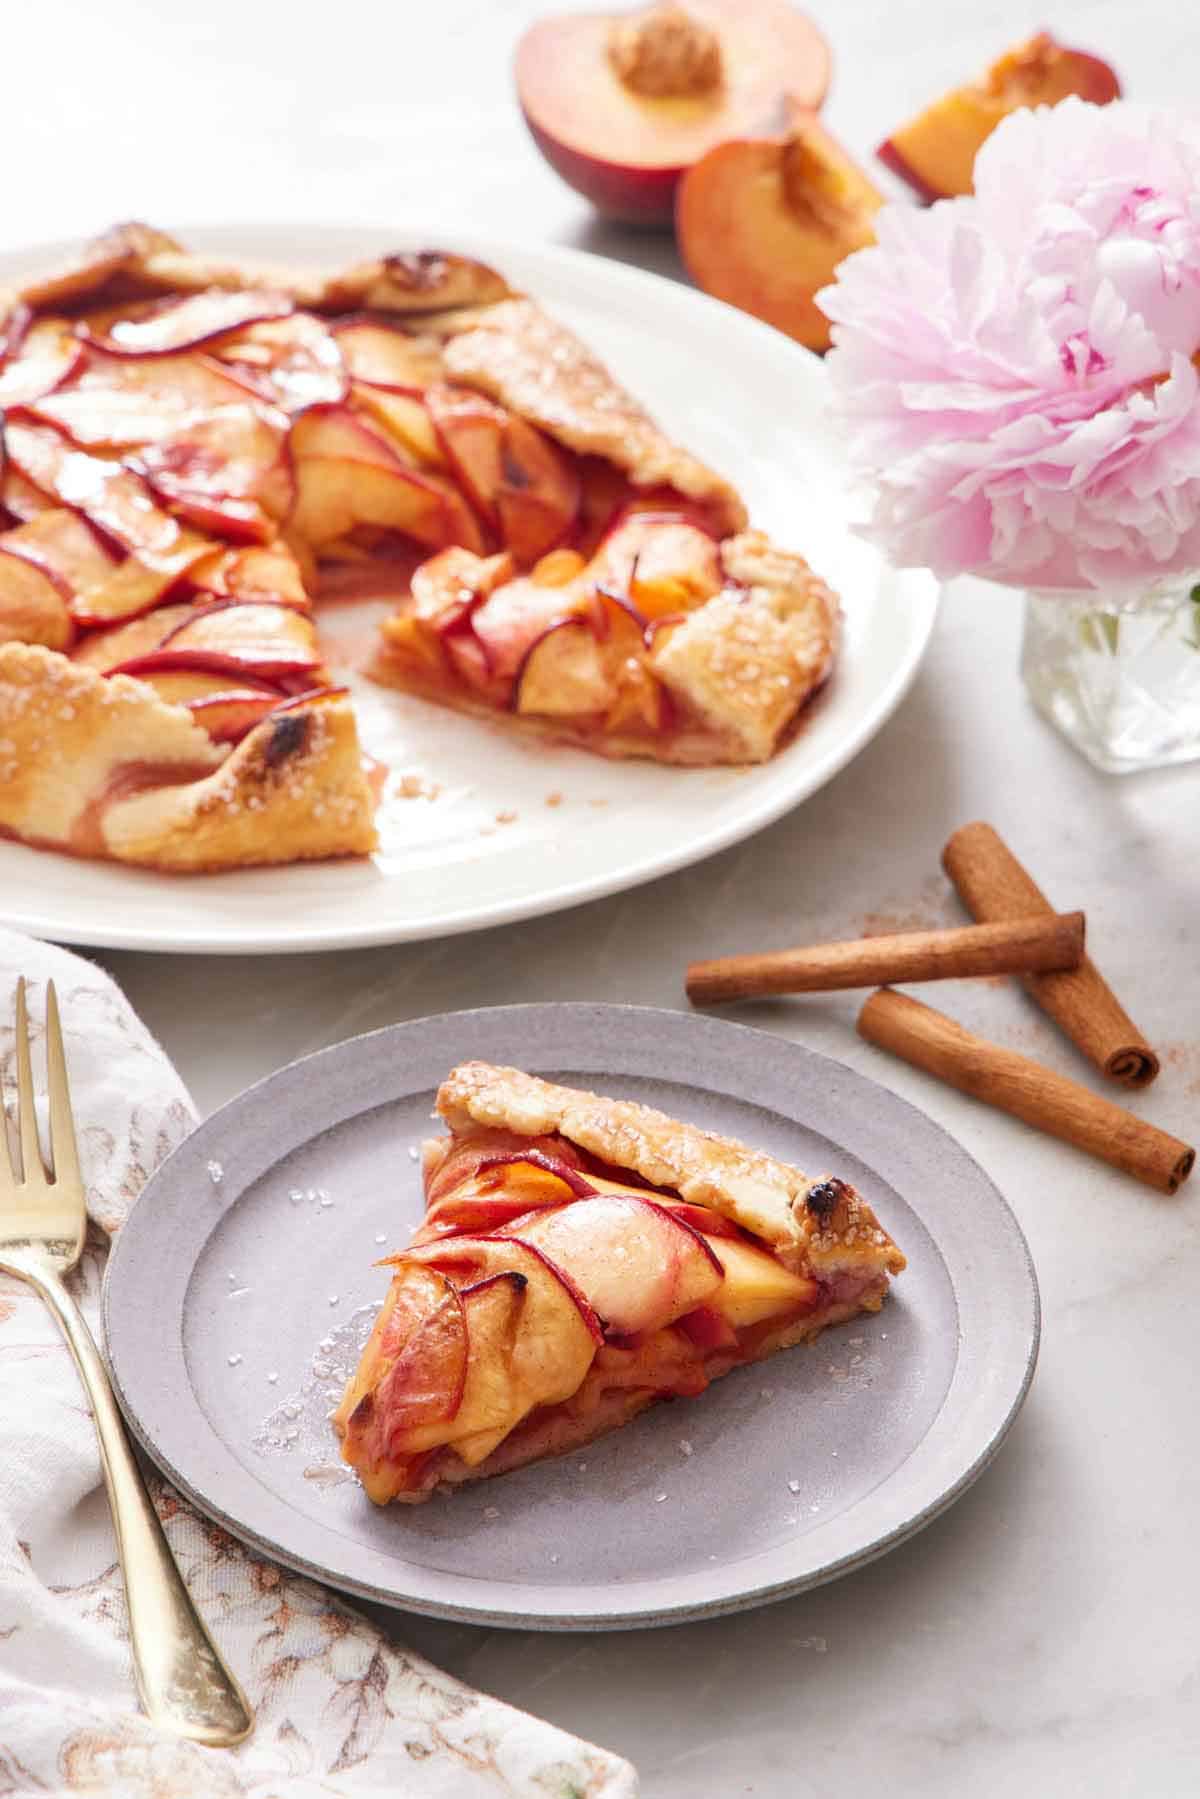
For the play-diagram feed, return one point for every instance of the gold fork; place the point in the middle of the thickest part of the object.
(185, 1686)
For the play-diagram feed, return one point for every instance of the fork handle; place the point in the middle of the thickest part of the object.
(185, 1686)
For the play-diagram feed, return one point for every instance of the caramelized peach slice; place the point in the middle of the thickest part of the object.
(108, 403)
(620, 104)
(263, 571)
(404, 421)
(522, 484)
(763, 223)
(663, 561)
(111, 648)
(45, 356)
(347, 475)
(448, 1161)
(294, 362)
(226, 472)
(412, 1373)
(236, 637)
(385, 356)
(34, 606)
(111, 497)
(66, 548)
(543, 1362)
(756, 1286)
(564, 673)
(639, 1266)
(181, 324)
(935, 152)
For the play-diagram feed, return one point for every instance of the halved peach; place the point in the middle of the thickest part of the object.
(763, 223)
(935, 152)
(620, 104)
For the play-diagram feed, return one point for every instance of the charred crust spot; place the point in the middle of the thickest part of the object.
(822, 1199)
(420, 270)
(289, 736)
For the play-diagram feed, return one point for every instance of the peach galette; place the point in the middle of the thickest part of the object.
(194, 453)
(579, 1259)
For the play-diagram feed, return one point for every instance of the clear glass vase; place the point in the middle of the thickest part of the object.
(1119, 678)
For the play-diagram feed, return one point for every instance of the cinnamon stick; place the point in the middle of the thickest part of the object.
(993, 886)
(1016, 947)
(1046, 1100)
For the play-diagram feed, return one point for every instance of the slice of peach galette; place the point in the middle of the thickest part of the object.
(195, 453)
(581, 1258)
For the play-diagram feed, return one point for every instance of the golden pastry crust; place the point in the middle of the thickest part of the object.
(68, 735)
(100, 765)
(527, 361)
(137, 261)
(293, 790)
(816, 1223)
(115, 257)
(748, 659)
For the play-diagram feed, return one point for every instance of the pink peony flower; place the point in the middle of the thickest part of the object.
(1017, 369)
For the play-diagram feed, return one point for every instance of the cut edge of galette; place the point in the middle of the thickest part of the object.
(197, 452)
(580, 1259)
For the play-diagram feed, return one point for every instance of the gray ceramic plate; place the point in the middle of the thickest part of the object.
(242, 1285)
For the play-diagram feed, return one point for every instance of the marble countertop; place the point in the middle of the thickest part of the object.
(1040, 1637)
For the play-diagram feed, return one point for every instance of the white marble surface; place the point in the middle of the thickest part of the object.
(1040, 1638)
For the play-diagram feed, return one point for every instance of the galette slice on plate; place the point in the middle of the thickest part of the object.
(581, 1258)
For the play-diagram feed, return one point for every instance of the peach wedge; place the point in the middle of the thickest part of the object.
(764, 222)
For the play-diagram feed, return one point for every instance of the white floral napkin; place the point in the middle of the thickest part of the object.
(341, 1710)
